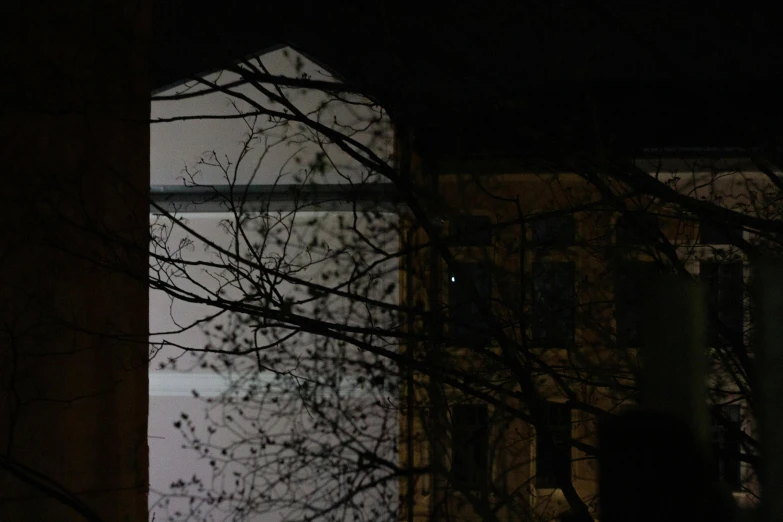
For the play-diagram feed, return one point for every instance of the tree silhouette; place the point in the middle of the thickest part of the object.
(451, 351)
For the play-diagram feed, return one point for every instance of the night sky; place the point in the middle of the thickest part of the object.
(694, 75)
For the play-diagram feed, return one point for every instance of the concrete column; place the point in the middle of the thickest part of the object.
(73, 303)
(768, 290)
(653, 462)
(674, 359)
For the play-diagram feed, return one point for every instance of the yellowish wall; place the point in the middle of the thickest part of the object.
(503, 197)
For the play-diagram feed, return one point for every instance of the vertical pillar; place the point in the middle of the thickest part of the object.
(674, 358)
(653, 462)
(74, 105)
(768, 289)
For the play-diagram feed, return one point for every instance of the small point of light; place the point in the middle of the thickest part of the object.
(453, 279)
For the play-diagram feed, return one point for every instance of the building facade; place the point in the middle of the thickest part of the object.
(508, 328)
(540, 296)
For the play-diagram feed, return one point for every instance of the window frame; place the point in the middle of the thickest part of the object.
(721, 234)
(548, 480)
(628, 233)
(620, 309)
(719, 431)
(480, 471)
(556, 240)
(537, 312)
(715, 336)
(463, 233)
(458, 329)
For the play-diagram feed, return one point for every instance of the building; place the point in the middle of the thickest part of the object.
(249, 180)
(519, 363)
(550, 324)
(70, 133)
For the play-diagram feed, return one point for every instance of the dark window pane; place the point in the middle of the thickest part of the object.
(553, 230)
(553, 304)
(718, 233)
(551, 460)
(469, 446)
(635, 228)
(467, 230)
(726, 423)
(725, 292)
(632, 285)
(467, 323)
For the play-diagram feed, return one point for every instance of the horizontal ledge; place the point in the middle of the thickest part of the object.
(265, 198)
(183, 384)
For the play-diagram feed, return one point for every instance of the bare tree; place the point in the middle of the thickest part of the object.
(451, 352)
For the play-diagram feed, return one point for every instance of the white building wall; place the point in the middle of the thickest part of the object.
(281, 151)
(330, 243)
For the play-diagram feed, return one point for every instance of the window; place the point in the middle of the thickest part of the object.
(469, 446)
(467, 323)
(718, 234)
(556, 459)
(631, 289)
(467, 230)
(726, 423)
(553, 230)
(725, 301)
(553, 304)
(636, 227)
